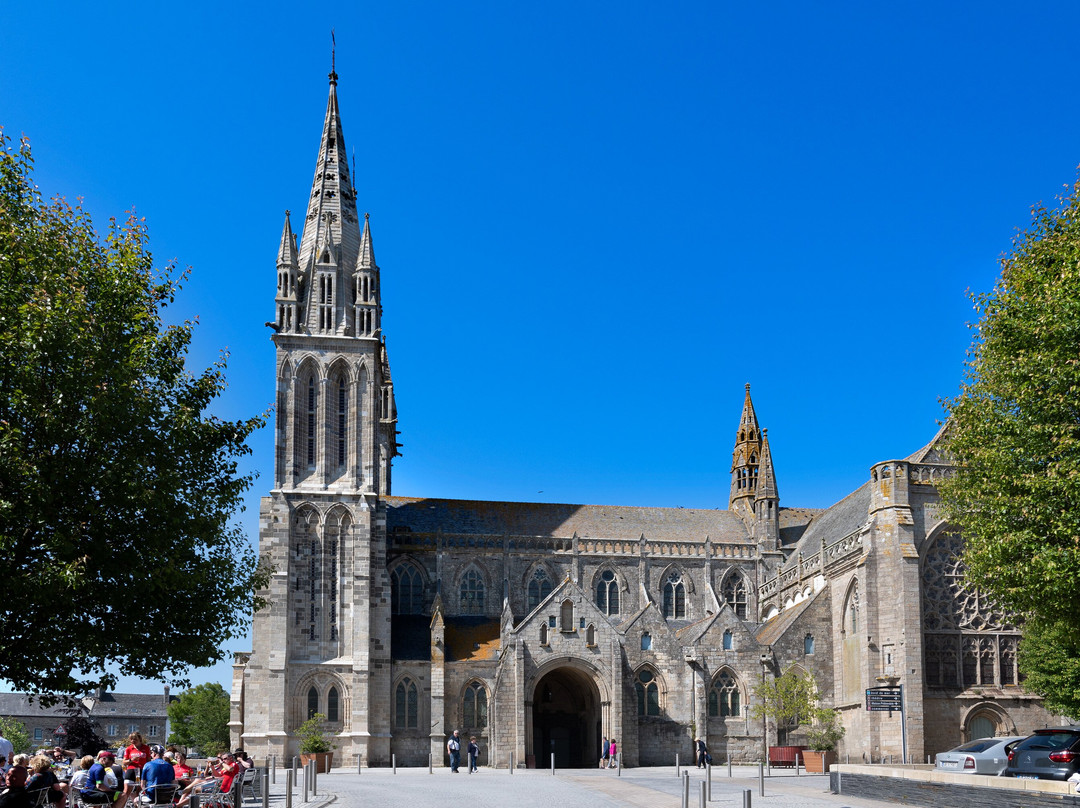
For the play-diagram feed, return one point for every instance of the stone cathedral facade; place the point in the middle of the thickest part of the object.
(541, 628)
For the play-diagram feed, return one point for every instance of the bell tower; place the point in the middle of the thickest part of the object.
(322, 643)
(745, 462)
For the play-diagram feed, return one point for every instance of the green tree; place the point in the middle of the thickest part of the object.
(200, 719)
(15, 731)
(81, 733)
(117, 489)
(788, 701)
(1015, 430)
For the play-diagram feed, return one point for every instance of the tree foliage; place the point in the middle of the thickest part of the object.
(117, 489)
(1015, 430)
(15, 731)
(81, 733)
(200, 719)
(787, 700)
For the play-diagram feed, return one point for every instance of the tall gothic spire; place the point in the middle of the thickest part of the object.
(766, 486)
(745, 458)
(332, 204)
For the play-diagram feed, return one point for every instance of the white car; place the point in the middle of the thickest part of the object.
(984, 756)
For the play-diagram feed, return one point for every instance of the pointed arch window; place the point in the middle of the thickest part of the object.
(851, 611)
(646, 641)
(342, 422)
(406, 590)
(310, 423)
(566, 616)
(808, 644)
(472, 593)
(590, 636)
(474, 706)
(648, 693)
(607, 593)
(724, 696)
(406, 705)
(674, 596)
(333, 707)
(729, 640)
(539, 587)
(312, 702)
(734, 593)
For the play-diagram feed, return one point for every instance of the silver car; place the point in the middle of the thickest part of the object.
(984, 756)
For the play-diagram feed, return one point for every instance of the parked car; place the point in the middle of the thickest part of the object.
(984, 756)
(1049, 754)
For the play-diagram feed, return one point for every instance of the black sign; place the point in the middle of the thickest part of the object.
(882, 699)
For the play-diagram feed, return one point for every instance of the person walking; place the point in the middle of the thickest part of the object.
(474, 753)
(614, 749)
(604, 749)
(702, 753)
(453, 748)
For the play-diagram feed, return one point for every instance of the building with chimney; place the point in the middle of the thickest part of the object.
(543, 628)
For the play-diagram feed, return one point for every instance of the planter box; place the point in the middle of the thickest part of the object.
(819, 762)
(785, 755)
(323, 760)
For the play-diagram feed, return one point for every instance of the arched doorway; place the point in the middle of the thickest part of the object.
(566, 719)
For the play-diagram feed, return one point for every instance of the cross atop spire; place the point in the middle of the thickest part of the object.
(333, 58)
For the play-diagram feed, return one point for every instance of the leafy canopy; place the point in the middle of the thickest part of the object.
(200, 719)
(1015, 428)
(313, 738)
(788, 700)
(15, 731)
(82, 733)
(117, 489)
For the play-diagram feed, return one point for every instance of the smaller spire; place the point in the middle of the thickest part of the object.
(366, 259)
(287, 248)
(766, 486)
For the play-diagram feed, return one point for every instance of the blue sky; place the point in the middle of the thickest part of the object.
(595, 222)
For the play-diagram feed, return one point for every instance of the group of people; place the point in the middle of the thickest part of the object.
(609, 754)
(159, 776)
(453, 748)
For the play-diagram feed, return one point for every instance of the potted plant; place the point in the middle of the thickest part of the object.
(315, 744)
(822, 740)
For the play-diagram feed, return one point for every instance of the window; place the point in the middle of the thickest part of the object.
(566, 616)
(110, 730)
(808, 644)
(543, 634)
(39, 734)
(310, 422)
(729, 640)
(472, 593)
(590, 635)
(724, 696)
(326, 299)
(333, 708)
(674, 596)
(343, 422)
(607, 593)
(312, 702)
(474, 706)
(153, 731)
(646, 641)
(648, 693)
(133, 728)
(539, 587)
(406, 590)
(734, 594)
(405, 705)
(851, 611)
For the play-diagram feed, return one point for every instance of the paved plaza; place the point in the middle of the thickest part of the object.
(656, 787)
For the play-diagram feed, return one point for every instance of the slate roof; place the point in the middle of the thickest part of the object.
(772, 630)
(421, 515)
(472, 638)
(838, 521)
(109, 704)
(16, 704)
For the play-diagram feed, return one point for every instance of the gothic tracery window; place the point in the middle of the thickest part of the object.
(648, 693)
(734, 593)
(539, 587)
(406, 590)
(406, 705)
(674, 596)
(724, 696)
(607, 593)
(333, 708)
(474, 706)
(312, 702)
(472, 593)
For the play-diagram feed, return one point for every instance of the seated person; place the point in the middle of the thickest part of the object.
(63, 756)
(183, 773)
(223, 769)
(158, 778)
(243, 759)
(15, 795)
(82, 775)
(42, 777)
(102, 787)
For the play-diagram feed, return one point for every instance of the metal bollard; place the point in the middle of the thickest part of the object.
(708, 780)
(761, 778)
(511, 763)
(359, 763)
(307, 782)
(430, 763)
(678, 773)
(273, 769)
(768, 766)
(552, 764)
(686, 790)
(288, 788)
(797, 772)
(265, 788)
(701, 795)
(314, 778)
(618, 768)
(729, 764)
(393, 763)
(746, 798)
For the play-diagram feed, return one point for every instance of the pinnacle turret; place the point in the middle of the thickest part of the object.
(745, 458)
(766, 486)
(288, 283)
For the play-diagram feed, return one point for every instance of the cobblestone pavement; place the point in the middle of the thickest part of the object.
(570, 788)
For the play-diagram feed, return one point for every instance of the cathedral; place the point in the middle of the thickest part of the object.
(542, 628)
